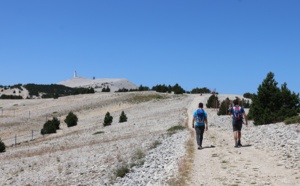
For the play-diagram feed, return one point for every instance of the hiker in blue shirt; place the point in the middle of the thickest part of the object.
(199, 123)
(238, 114)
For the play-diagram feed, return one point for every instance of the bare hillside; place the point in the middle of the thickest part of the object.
(75, 155)
(98, 84)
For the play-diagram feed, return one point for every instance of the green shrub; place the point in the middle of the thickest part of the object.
(99, 132)
(213, 102)
(200, 90)
(71, 119)
(292, 120)
(2, 146)
(175, 128)
(123, 117)
(139, 154)
(122, 171)
(223, 110)
(56, 122)
(49, 127)
(107, 89)
(108, 119)
(248, 95)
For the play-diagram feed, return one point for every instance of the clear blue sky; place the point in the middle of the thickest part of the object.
(229, 45)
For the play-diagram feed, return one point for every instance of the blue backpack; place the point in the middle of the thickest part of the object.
(200, 116)
(237, 113)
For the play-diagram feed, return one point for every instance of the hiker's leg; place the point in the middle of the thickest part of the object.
(201, 134)
(235, 133)
(239, 134)
(197, 129)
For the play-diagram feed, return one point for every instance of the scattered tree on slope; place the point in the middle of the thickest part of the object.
(273, 104)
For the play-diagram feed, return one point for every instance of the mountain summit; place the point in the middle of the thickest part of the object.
(99, 84)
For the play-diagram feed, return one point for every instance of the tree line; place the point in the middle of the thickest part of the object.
(46, 91)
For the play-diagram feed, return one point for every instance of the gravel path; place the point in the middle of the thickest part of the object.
(271, 155)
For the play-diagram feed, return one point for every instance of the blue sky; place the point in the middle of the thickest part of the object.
(229, 45)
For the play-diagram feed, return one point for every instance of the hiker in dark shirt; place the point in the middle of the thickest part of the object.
(238, 114)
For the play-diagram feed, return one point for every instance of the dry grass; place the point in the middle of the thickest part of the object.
(139, 98)
(185, 165)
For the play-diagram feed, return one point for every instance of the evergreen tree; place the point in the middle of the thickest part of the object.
(143, 88)
(223, 110)
(272, 104)
(49, 127)
(213, 102)
(71, 119)
(107, 89)
(2, 146)
(108, 119)
(200, 90)
(178, 89)
(56, 122)
(123, 117)
(248, 95)
(289, 103)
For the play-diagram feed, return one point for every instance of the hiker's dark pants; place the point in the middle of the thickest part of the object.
(199, 134)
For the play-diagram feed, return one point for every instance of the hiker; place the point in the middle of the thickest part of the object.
(238, 114)
(200, 123)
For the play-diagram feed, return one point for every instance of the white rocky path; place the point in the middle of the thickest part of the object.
(261, 162)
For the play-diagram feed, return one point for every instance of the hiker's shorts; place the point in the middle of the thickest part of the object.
(237, 125)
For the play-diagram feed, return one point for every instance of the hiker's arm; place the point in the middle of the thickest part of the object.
(229, 112)
(193, 125)
(206, 124)
(245, 116)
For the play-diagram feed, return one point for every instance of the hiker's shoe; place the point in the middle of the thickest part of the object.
(200, 147)
(236, 146)
(239, 144)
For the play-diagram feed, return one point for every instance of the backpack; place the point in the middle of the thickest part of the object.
(237, 113)
(200, 116)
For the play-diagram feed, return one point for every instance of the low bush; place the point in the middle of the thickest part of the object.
(123, 117)
(71, 119)
(99, 132)
(49, 127)
(175, 128)
(292, 120)
(2, 146)
(122, 171)
(108, 119)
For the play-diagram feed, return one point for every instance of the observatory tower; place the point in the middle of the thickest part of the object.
(75, 74)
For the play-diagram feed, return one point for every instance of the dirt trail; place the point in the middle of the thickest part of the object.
(225, 165)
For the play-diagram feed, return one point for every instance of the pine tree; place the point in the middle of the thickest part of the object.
(2, 146)
(223, 110)
(71, 119)
(272, 104)
(49, 127)
(213, 102)
(123, 117)
(108, 119)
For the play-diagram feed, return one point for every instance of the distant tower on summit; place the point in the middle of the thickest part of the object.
(75, 74)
